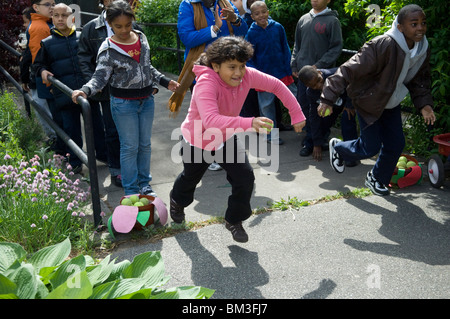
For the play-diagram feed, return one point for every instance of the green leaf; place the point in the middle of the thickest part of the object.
(9, 253)
(77, 286)
(123, 287)
(99, 273)
(140, 294)
(149, 267)
(7, 286)
(8, 296)
(117, 269)
(26, 281)
(102, 291)
(205, 293)
(67, 269)
(185, 292)
(52, 255)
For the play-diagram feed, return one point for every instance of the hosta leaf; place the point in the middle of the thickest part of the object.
(124, 287)
(51, 255)
(26, 281)
(147, 266)
(140, 294)
(9, 253)
(7, 286)
(117, 269)
(76, 287)
(67, 269)
(99, 273)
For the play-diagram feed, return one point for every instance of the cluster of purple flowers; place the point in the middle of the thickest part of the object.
(45, 183)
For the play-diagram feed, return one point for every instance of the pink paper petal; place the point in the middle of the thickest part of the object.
(124, 218)
(162, 210)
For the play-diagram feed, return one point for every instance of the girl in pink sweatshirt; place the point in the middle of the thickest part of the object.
(222, 84)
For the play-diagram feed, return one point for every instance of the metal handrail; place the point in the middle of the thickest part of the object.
(89, 159)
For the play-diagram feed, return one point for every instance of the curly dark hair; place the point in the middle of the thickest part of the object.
(225, 49)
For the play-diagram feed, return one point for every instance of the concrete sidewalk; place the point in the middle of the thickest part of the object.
(376, 247)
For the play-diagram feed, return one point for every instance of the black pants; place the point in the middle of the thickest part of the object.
(111, 136)
(233, 159)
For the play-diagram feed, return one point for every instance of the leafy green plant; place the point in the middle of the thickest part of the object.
(19, 135)
(161, 11)
(41, 202)
(48, 274)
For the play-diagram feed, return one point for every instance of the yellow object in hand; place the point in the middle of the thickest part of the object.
(327, 112)
(268, 130)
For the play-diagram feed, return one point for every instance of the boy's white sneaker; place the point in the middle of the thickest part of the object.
(336, 161)
(376, 186)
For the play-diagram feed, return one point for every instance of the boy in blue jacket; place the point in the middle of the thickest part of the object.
(58, 57)
(272, 56)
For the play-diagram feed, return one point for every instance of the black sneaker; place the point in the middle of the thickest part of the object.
(176, 211)
(305, 151)
(335, 159)
(375, 186)
(237, 231)
(116, 180)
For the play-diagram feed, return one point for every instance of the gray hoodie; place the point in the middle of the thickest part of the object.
(318, 40)
(127, 77)
(414, 58)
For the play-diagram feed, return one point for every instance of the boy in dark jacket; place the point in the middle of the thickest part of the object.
(314, 80)
(377, 79)
(58, 57)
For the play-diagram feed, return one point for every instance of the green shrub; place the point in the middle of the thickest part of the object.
(48, 274)
(19, 135)
(161, 11)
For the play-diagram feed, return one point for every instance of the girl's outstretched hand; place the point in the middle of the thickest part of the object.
(262, 124)
(428, 115)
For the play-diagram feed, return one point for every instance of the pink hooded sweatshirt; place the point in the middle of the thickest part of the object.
(213, 116)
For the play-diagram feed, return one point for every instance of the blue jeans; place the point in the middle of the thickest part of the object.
(385, 135)
(134, 121)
